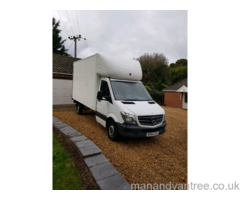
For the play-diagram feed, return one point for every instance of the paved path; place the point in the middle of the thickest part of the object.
(106, 176)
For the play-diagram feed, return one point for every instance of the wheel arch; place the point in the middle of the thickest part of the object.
(111, 117)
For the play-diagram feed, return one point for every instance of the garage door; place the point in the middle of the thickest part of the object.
(62, 92)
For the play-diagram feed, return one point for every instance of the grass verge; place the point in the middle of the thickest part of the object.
(65, 175)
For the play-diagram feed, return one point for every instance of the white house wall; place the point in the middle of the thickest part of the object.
(62, 91)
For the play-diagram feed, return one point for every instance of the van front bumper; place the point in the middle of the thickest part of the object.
(132, 130)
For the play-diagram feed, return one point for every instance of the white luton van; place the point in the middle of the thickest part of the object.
(111, 86)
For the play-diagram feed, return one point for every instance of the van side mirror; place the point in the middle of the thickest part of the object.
(99, 95)
(152, 95)
(108, 99)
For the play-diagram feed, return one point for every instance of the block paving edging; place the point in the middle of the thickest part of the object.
(105, 175)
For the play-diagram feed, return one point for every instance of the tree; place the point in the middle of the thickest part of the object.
(58, 47)
(181, 63)
(148, 89)
(177, 71)
(160, 86)
(173, 65)
(178, 74)
(154, 68)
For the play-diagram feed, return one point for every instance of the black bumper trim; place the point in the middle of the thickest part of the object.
(129, 130)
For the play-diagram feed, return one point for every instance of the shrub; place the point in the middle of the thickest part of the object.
(158, 96)
(164, 86)
(160, 86)
(148, 89)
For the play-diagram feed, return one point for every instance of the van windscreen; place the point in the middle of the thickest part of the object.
(130, 91)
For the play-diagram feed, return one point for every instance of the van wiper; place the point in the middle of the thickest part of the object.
(131, 100)
(143, 100)
(137, 100)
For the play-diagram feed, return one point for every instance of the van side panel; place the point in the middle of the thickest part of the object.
(85, 81)
(87, 73)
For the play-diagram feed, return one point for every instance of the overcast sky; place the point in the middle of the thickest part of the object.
(126, 33)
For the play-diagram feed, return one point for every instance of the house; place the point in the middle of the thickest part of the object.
(176, 95)
(62, 79)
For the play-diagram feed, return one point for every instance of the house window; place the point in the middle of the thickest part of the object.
(185, 97)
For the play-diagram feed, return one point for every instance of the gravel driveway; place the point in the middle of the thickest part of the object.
(158, 160)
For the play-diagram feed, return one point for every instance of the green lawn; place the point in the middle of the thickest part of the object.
(65, 175)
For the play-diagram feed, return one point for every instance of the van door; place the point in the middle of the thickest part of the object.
(103, 107)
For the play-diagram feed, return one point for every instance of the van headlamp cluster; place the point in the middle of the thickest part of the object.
(128, 118)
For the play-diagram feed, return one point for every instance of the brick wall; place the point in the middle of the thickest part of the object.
(62, 76)
(172, 99)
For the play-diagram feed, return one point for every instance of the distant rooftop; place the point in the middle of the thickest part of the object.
(63, 64)
(176, 86)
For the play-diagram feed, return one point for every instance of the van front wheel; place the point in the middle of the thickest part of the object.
(112, 131)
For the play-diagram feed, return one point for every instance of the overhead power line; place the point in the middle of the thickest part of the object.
(105, 49)
(70, 46)
(96, 48)
(108, 48)
(77, 23)
(62, 23)
(75, 38)
(100, 48)
(69, 22)
(89, 42)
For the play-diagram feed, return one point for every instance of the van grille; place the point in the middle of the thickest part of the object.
(151, 120)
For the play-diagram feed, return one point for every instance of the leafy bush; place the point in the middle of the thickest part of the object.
(148, 89)
(160, 86)
(158, 96)
(178, 74)
(164, 86)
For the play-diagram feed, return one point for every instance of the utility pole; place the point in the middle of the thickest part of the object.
(75, 40)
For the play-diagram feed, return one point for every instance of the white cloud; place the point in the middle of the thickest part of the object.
(130, 32)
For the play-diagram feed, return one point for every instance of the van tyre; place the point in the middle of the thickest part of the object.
(79, 108)
(112, 131)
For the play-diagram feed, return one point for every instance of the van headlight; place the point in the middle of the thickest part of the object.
(128, 118)
(164, 119)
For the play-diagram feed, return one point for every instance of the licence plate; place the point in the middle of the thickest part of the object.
(151, 134)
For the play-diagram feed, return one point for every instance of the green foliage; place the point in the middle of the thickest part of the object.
(181, 63)
(173, 65)
(148, 89)
(158, 96)
(154, 68)
(178, 74)
(157, 74)
(160, 86)
(164, 86)
(177, 71)
(58, 47)
(65, 175)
